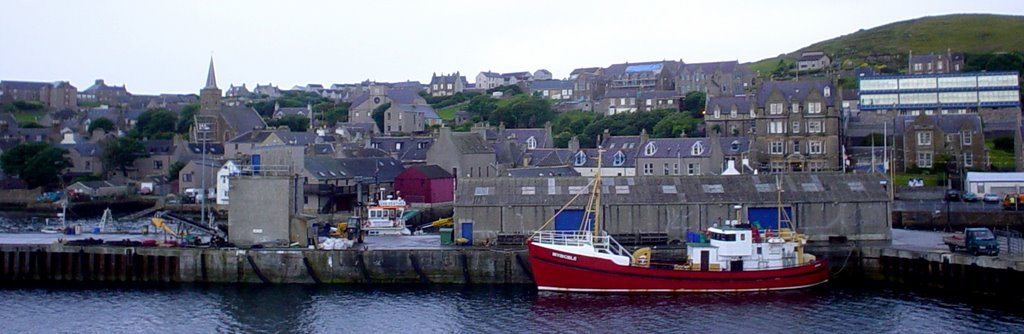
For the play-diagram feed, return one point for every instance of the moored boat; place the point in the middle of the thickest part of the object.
(733, 257)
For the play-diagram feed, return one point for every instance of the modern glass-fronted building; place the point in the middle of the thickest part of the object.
(940, 93)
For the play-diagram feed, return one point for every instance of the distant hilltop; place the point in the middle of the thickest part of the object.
(967, 33)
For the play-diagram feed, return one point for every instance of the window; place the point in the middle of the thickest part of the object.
(924, 138)
(675, 169)
(924, 159)
(157, 164)
(814, 127)
(968, 159)
(815, 147)
(449, 86)
(718, 112)
(965, 138)
(795, 108)
(398, 146)
(648, 101)
(776, 127)
(665, 169)
(814, 108)
(796, 146)
(917, 67)
(531, 143)
(732, 113)
(775, 108)
(697, 149)
(650, 149)
(735, 145)
(618, 159)
(938, 65)
(826, 92)
(777, 148)
(648, 169)
(692, 168)
(187, 177)
(816, 166)
(777, 166)
(622, 101)
(796, 127)
(581, 159)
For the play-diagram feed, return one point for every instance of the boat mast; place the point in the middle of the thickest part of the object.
(595, 197)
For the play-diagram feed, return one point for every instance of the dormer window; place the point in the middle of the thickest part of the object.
(650, 149)
(735, 145)
(827, 91)
(718, 112)
(618, 159)
(697, 149)
(581, 158)
(732, 113)
(531, 143)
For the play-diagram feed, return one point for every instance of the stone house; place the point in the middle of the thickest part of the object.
(104, 94)
(655, 75)
(813, 60)
(730, 115)
(630, 100)
(409, 118)
(447, 85)
(488, 80)
(361, 110)
(936, 63)
(922, 139)
(516, 78)
(727, 78)
(85, 158)
(797, 127)
(59, 95)
(541, 74)
(159, 159)
(552, 89)
(199, 173)
(588, 83)
(464, 154)
(280, 112)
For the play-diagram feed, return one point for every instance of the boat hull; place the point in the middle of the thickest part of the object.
(558, 270)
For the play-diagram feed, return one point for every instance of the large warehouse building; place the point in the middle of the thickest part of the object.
(664, 208)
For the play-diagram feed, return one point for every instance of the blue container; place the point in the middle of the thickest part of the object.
(96, 230)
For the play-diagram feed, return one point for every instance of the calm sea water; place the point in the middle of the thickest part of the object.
(490, 309)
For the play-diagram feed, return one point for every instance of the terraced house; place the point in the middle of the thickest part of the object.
(927, 140)
(797, 127)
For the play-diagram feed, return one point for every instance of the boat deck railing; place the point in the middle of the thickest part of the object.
(602, 243)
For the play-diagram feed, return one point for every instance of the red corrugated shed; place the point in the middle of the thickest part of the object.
(425, 184)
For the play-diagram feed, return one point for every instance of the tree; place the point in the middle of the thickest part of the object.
(378, 115)
(694, 102)
(101, 123)
(175, 169)
(36, 163)
(524, 111)
(336, 113)
(156, 123)
(482, 106)
(120, 153)
(675, 124)
(188, 113)
(295, 123)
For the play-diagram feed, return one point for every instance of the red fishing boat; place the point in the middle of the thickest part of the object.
(732, 257)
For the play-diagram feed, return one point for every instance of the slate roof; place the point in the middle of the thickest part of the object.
(211, 148)
(726, 144)
(547, 157)
(112, 114)
(608, 158)
(242, 118)
(83, 149)
(159, 147)
(621, 142)
(659, 94)
(795, 91)
(433, 172)
(676, 147)
(517, 75)
(286, 111)
(323, 148)
(490, 74)
(725, 103)
(551, 84)
(710, 67)
(752, 190)
(812, 56)
(620, 93)
(471, 143)
(520, 136)
(950, 123)
(410, 151)
(620, 69)
(543, 171)
(296, 138)
(426, 110)
(24, 85)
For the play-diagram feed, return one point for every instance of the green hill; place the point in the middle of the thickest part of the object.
(968, 33)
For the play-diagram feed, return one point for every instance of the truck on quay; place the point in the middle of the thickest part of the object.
(975, 240)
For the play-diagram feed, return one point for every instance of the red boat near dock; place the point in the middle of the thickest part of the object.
(734, 257)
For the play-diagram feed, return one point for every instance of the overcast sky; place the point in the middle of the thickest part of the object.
(164, 46)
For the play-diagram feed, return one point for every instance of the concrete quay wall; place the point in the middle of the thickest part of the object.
(188, 265)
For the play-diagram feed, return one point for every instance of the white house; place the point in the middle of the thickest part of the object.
(224, 181)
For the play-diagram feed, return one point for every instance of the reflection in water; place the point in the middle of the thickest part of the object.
(345, 309)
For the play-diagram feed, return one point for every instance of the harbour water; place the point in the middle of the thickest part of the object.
(492, 309)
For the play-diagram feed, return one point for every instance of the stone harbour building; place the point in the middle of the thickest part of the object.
(663, 208)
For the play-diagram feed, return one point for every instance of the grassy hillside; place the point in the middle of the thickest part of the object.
(968, 33)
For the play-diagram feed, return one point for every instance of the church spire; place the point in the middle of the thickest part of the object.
(211, 78)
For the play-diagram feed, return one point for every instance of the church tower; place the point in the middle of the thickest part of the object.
(208, 125)
(209, 96)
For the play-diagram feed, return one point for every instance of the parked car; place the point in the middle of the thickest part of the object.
(953, 195)
(970, 197)
(990, 198)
